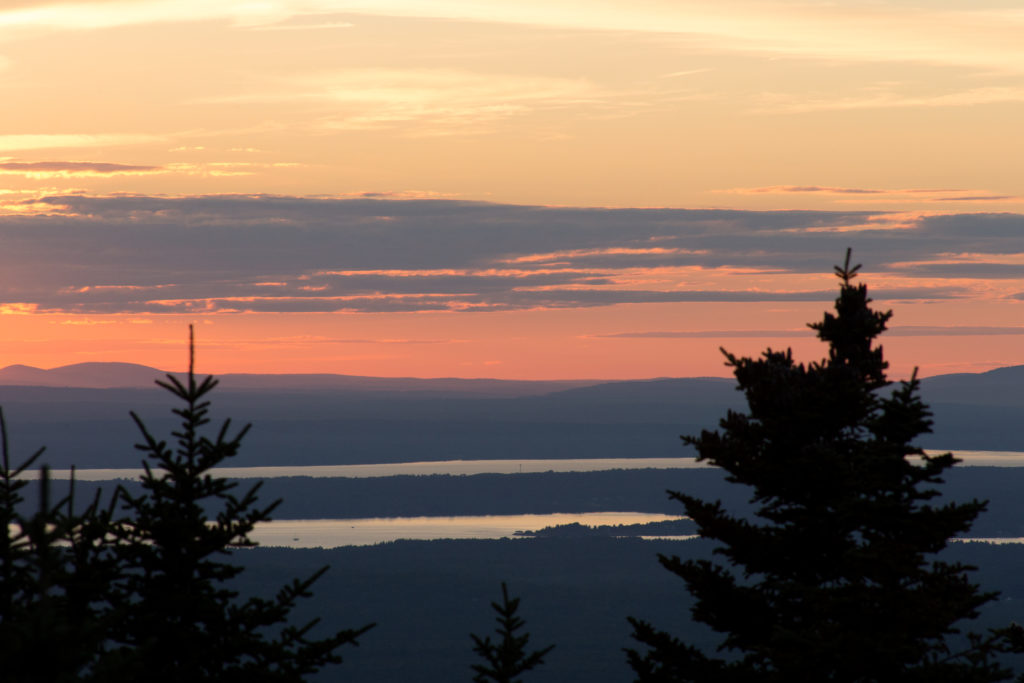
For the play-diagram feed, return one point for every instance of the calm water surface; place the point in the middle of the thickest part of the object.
(466, 467)
(330, 533)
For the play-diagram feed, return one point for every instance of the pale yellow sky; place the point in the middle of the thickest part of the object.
(909, 112)
(578, 103)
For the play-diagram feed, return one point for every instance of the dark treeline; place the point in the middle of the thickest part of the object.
(668, 528)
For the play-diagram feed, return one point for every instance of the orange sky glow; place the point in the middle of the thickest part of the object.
(473, 188)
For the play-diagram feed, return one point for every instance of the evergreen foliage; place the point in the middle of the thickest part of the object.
(57, 571)
(836, 579)
(506, 658)
(141, 589)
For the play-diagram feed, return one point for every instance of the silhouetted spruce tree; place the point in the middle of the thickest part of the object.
(21, 586)
(144, 593)
(506, 658)
(57, 571)
(836, 578)
(186, 623)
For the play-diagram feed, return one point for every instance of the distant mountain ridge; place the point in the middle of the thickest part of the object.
(999, 387)
(342, 419)
(82, 375)
(98, 375)
(1003, 386)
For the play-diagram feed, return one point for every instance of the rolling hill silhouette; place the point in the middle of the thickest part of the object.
(86, 375)
(130, 375)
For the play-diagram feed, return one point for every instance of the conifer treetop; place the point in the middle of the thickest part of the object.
(834, 576)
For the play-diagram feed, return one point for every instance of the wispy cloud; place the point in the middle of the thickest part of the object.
(573, 254)
(854, 32)
(805, 103)
(965, 267)
(979, 198)
(703, 334)
(447, 99)
(954, 331)
(878, 194)
(801, 189)
(861, 32)
(687, 72)
(320, 26)
(85, 169)
(306, 340)
(224, 168)
(897, 331)
(68, 169)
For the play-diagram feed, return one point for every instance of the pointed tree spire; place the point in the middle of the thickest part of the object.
(834, 577)
(506, 658)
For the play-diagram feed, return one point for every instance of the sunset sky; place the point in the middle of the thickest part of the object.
(495, 188)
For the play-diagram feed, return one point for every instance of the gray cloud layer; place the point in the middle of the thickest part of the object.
(148, 254)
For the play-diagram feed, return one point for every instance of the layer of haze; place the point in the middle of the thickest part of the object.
(385, 188)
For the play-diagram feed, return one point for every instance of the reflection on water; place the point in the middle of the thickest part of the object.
(329, 533)
(971, 458)
(986, 458)
(415, 468)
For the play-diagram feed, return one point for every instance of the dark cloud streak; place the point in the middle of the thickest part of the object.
(74, 167)
(267, 253)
